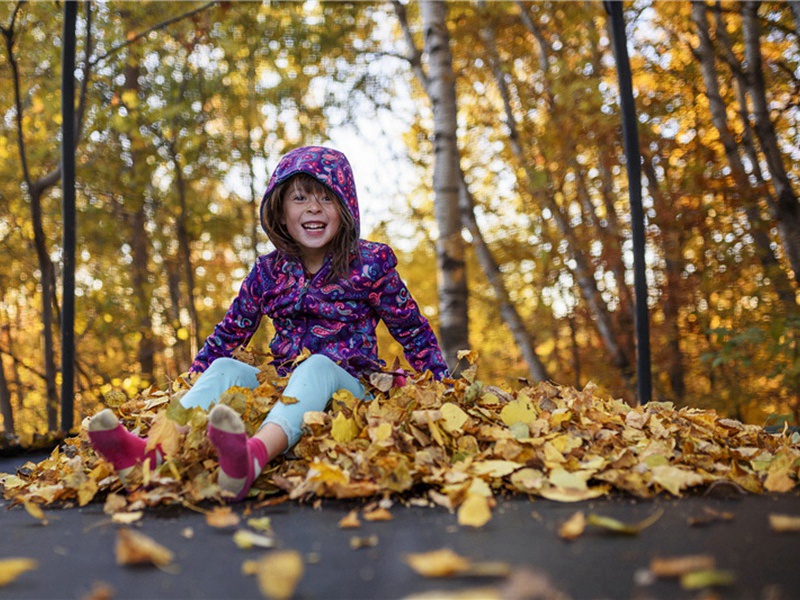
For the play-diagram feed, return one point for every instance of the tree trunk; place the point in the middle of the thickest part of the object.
(5, 402)
(787, 206)
(525, 341)
(450, 246)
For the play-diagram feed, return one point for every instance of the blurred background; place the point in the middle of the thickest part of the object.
(185, 107)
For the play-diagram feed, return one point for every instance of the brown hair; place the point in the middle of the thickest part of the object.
(344, 244)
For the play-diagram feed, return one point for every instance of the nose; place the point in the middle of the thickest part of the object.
(315, 205)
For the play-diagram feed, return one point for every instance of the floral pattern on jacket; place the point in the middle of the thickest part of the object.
(336, 318)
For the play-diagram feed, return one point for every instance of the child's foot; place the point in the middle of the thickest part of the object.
(241, 459)
(118, 445)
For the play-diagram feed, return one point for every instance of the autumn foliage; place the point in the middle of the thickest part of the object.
(458, 444)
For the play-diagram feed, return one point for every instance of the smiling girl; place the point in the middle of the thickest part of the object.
(325, 290)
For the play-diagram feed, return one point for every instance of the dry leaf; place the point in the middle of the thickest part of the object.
(35, 511)
(246, 539)
(260, 524)
(699, 580)
(378, 514)
(350, 520)
(784, 523)
(623, 528)
(134, 548)
(221, 517)
(368, 541)
(474, 511)
(681, 565)
(126, 518)
(573, 527)
(277, 573)
(11, 568)
(437, 563)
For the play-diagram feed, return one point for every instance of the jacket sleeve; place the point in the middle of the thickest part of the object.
(398, 309)
(237, 327)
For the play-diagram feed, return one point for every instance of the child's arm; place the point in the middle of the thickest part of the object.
(405, 322)
(237, 327)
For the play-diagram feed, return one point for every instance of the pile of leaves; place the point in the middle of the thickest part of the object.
(457, 443)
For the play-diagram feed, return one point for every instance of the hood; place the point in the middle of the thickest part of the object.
(330, 167)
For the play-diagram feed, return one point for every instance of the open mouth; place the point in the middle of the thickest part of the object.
(313, 226)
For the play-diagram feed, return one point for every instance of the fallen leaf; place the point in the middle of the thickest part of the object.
(134, 548)
(446, 563)
(35, 511)
(277, 573)
(378, 514)
(474, 511)
(677, 566)
(358, 542)
(784, 523)
(437, 563)
(699, 580)
(350, 520)
(221, 517)
(260, 524)
(623, 528)
(246, 539)
(126, 518)
(11, 568)
(573, 527)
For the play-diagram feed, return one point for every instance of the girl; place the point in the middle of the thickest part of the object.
(325, 290)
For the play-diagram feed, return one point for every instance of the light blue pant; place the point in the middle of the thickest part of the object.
(313, 383)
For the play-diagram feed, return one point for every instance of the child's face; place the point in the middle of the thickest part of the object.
(312, 219)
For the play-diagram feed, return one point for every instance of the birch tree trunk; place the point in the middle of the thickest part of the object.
(450, 251)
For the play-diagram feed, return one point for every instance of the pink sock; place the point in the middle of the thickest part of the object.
(241, 460)
(122, 448)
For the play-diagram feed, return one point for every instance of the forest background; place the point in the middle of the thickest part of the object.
(485, 138)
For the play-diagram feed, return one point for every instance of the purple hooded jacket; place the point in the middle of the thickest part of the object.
(336, 318)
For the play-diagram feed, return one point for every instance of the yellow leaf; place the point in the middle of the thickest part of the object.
(698, 580)
(367, 541)
(126, 518)
(680, 565)
(437, 563)
(344, 430)
(11, 568)
(495, 468)
(221, 517)
(246, 539)
(260, 524)
(277, 573)
(573, 527)
(454, 417)
(134, 548)
(164, 434)
(784, 523)
(518, 411)
(35, 511)
(620, 527)
(474, 511)
(350, 520)
(379, 514)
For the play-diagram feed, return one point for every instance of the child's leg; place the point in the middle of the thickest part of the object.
(241, 460)
(118, 445)
(220, 375)
(124, 449)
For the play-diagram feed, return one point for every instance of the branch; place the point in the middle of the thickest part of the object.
(414, 54)
(132, 40)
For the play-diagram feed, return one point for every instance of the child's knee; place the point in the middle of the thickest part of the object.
(223, 364)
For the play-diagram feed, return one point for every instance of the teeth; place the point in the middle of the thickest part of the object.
(315, 226)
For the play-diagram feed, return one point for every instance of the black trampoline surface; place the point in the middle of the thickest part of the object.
(75, 550)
